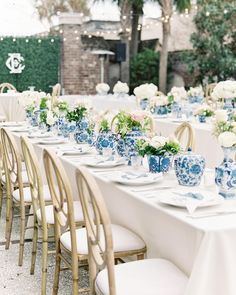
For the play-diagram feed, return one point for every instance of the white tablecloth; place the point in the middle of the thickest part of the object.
(206, 143)
(10, 108)
(203, 248)
(104, 102)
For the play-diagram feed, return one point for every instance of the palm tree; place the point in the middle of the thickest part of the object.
(49, 8)
(167, 11)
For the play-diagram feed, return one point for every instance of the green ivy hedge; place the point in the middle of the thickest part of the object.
(41, 59)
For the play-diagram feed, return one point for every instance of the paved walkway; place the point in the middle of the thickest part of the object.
(15, 280)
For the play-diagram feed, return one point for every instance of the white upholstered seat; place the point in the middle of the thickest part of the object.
(149, 277)
(78, 213)
(123, 240)
(27, 194)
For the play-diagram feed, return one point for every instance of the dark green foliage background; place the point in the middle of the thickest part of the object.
(42, 62)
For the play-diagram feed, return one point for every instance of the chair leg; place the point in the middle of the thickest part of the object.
(57, 269)
(22, 235)
(44, 267)
(75, 277)
(9, 220)
(1, 197)
(34, 247)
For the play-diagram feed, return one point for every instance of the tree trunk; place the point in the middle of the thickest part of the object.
(166, 15)
(135, 35)
(125, 8)
(164, 57)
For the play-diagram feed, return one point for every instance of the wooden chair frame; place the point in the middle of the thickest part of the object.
(56, 90)
(9, 86)
(179, 132)
(37, 195)
(60, 190)
(96, 220)
(13, 178)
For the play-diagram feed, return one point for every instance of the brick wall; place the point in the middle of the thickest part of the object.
(80, 69)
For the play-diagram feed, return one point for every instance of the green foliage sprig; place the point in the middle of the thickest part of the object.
(77, 114)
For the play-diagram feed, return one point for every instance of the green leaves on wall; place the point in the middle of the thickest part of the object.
(41, 59)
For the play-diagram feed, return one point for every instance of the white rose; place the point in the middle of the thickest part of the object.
(221, 115)
(158, 141)
(102, 88)
(145, 91)
(227, 139)
(121, 87)
(50, 118)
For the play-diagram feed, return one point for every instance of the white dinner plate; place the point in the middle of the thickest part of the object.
(100, 162)
(181, 198)
(73, 150)
(40, 135)
(51, 141)
(21, 129)
(136, 178)
(180, 120)
(12, 124)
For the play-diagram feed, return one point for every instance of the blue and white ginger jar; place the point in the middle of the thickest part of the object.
(225, 175)
(195, 99)
(189, 168)
(82, 135)
(105, 139)
(159, 164)
(144, 103)
(160, 110)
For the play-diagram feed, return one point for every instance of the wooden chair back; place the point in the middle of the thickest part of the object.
(56, 90)
(6, 86)
(208, 92)
(11, 162)
(61, 195)
(97, 221)
(186, 134)
(35, 179)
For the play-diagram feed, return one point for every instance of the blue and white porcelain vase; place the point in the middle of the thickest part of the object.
(195, 99)
(159, 164)
(161, 110)
(105, 139)
(189, 168)
(228, 104)
(202, 119)
(130, 143)
(144, 103)
(225, 174)
(176, 109)
(82, 134)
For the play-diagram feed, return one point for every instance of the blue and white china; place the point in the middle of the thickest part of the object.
(189, 168)
(120, 147)
(159, 164)
(144, 103)
(228, 104)
(160, 110)
(105, 139)
(195, 99)
(176, 110)
(202, 118)
(225, 175)
(130, 143)
(82, 134)
(67, 127)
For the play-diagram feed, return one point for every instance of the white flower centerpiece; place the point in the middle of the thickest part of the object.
(121, 89)
(225, 177)
(160, 105)
(196, 94)
(203, 112)
(47, 115)
(144, 93)
(225, 91)
(177, 96)
(159, 151)
(102, 88)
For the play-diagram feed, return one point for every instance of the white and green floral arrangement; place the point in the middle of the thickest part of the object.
(224, 90)
(196, 91)
(145, 91)
(102, 88)
(158, 146)
(30, 100)
(60, 106)
(121, 88)
(125, 122)
(224, 129)
(204, 110)
(177, 95)
(48, 115)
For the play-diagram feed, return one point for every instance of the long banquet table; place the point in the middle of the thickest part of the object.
(10, 107)
(203, 248)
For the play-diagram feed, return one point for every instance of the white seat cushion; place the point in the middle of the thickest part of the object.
(27, 194)
(123, 240)
(149, 277)
(78, 213)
